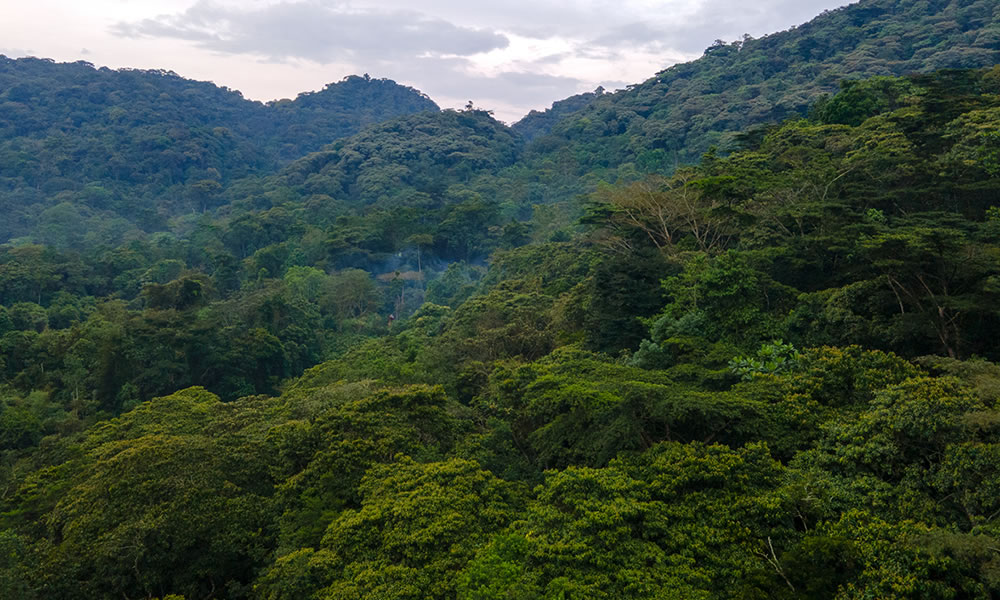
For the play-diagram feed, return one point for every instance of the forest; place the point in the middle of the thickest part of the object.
(729, 333)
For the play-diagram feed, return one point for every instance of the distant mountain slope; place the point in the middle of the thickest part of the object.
(415, 175)
(424, 152)
(129, 151)
(676, 115)
(315, 119)
(537, 123)
(137, 147)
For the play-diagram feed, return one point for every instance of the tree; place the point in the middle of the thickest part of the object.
(417, 527)
(732, 299)
(936, 272)
(353, 293)
(663, 212)
(155, 508)
(678, 521)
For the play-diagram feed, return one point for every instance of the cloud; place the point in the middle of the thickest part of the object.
(452, 81)
(426, 51)
(510, 56)
(15, 52)
(323, 33)
(710, 20)
(515, 87)
(638, 34)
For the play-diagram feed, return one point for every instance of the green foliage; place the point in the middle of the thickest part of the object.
(860, 99)
(14, 568)
(775, 357)
(417, 526)
(91, 156)
(155, 503)
(428, 360)
(684, 110)
(538, 123)
(499, 571)
(904, 425)
(725, 297)
(623, 289)
(577, 408)
(888, 557)
(20, 427)
(629, 530)
(338, 433)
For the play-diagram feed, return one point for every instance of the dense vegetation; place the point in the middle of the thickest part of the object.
(672, 118)
(393, 368)
(537, 123)
(124, 151)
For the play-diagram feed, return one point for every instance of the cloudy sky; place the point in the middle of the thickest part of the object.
(510, 56)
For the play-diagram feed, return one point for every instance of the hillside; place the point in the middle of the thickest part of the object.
(126, 150)
(716, 390)
(674, 117)
(537, 123)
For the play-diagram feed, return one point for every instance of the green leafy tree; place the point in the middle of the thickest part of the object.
(417, 527)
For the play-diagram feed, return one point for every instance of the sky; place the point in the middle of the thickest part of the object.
(510, 56)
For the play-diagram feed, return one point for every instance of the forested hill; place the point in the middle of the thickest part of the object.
(766, 376)
(130, 149)
(350, 346)
(314, 119)
(130, 152)
(537, 123)
(673, 117)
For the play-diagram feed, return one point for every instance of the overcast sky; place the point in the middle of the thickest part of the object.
(510, 56)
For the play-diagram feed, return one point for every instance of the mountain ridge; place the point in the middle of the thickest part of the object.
(144, 146)
(678, 113)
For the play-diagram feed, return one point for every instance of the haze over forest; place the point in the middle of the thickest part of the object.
(724, 330)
